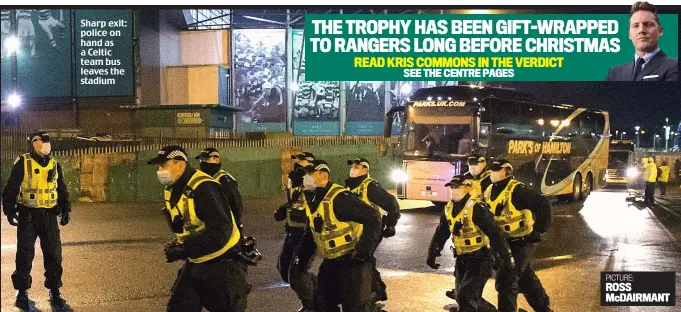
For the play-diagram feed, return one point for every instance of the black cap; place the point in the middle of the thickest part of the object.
(359, 161)
(318, 165)
(501, 163)
(168, 153)
(459, 180)
(208, 153)
(303, 156)
(42, 136)
(475, 159)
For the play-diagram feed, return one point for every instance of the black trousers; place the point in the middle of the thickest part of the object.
(297, 275)
(663, 188)
(471, 272)
(343, 282)
(650, 193)
(522, 279)
(217, 285)
(38, 223)
(378, 286)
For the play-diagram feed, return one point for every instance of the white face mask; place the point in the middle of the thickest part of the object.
(164, 177)
(476, 170)
(457, 194)
(355, 173)
(495, 176)
(308, 183)
(46, 149)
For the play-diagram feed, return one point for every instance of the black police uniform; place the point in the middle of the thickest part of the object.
(380, 197)
(231, 188)
(523, 250)
(346, 280)
(218, 284)
(472, 270)
(37, 223)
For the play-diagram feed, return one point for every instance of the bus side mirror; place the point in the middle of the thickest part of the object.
(388, 126)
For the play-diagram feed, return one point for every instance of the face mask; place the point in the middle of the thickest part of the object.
(495, 176)
(354, 173)
(46, 149)
(309, 183)
(457, 194)
(476, 170)
(209, 168)
(164, 177)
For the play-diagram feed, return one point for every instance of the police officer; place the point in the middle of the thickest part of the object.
(663, 177)
(346, 232)
(293, 211)
(33, 198)
(210, 164)
(524, 216)
(205, 235)
(478, 173)
(471, 225)
(373, 194)
(650, 177)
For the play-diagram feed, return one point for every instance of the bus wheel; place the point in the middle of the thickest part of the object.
(588, 187)
(576, 189)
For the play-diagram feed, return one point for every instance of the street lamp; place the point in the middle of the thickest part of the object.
(623, 135)
(12, 44)
(655, 137)
(14, 100)
(637, 138)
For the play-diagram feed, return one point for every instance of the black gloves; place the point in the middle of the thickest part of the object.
(13, 218)
(65, 218)
(533, 238)
(432, 255)
(358, 259)
(280, 214)
(389, 231)
(174, 252)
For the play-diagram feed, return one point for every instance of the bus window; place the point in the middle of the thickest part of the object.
(432, 139)
(505, 117)
(533, 123)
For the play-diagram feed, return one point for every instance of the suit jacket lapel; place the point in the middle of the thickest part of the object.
(652, 65)
(627, 72)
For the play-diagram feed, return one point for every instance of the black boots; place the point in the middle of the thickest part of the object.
(22, 301)
(57, 302)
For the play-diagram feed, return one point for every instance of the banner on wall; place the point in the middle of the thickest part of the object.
(260, 81)
(316, 105)
(44, 57)
(365, 102)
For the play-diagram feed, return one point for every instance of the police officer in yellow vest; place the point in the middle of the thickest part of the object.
(205, 235)
(211, 164)
(373, 194)
(663, 178)
(345, 231)
(471, 225)
(650, 177)
(293, 211)
(34, 196)
(523, 215)
(478, 173)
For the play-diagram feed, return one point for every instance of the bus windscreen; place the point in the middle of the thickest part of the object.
(438, 139)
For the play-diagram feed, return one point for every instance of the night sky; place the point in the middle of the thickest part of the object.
(629, 103)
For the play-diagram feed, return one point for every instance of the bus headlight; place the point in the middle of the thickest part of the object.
(399, 176)
(632, 172)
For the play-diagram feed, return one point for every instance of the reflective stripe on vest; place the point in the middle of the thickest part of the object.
(362, 191)
(513, 222)
(296, 214)
(192, 224)
(470, 238)
(36, 190)
(476, 188)
(337, 238)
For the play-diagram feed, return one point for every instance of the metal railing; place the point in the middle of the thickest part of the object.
(14, 143)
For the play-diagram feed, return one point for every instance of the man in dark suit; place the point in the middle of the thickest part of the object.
(650, 63)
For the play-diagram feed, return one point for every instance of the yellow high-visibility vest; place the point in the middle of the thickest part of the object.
(512, 221)
(476, 188)
(192, 224)
(470, 237)
(336, 238)
(362, 192)
(38, 189)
